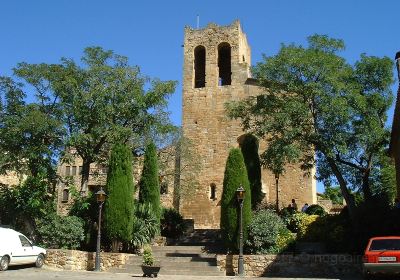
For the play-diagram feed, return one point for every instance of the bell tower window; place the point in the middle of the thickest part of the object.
(199, 67)
(224, 64)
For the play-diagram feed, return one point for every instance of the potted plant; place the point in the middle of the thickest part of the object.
(149, 266)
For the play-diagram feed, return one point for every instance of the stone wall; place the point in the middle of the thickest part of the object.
(80, 260)
(302, 265)
(11, 179)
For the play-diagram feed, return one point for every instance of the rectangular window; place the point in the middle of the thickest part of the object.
(385, 244)
(24, 242)
(164, 188)
(67, 170)
(213, 191)
(73, 170)
(80, 170)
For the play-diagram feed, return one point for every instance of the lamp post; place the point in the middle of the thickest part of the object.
(240, 197)
(100, 197)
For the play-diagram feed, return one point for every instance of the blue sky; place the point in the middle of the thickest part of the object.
(150, 33)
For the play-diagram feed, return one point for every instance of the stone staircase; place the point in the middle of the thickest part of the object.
(193, 254)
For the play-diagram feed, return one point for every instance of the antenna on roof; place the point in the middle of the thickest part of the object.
(198, 21)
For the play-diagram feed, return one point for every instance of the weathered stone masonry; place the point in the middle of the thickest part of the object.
(210, 131)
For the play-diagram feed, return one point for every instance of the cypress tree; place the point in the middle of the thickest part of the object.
(149, 191)
(118, 214)
(235, 176)
(249, 148)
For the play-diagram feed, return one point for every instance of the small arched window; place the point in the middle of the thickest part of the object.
(199, 67)
(224, 64)
(213, 191)
(65, 195)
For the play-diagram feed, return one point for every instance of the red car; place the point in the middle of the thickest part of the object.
(382, 256)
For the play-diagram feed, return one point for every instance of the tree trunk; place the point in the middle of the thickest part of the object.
(394, 147)
(348, 197)
(365, 185)
(277, 192)
(115, 245)
(85, 175)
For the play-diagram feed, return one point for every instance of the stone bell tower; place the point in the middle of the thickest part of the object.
(216, 70)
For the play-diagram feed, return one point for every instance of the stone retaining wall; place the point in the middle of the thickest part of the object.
(301, 265)
(80, 260)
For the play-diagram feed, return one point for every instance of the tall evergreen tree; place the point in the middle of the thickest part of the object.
(118, 216)
(149, 191)
(235, 176)
(249, 148)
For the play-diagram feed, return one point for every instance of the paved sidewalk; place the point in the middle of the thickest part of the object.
(50, 274)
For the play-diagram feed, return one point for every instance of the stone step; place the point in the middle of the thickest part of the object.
(176, 260)
(181, 248)
(192, 272)
(178, 265)
(160, 255)
(209, 260)
(170, 271)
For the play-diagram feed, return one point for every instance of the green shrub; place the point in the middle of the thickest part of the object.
(286, 240)
(172, 223)
(316, 209)
(235, 176)
(86, 208)
(292, 220)
(332, 230)
(148, 258)
(304, 222)
(286, 215)
(58, 232)
(145, 225)
(267, 233)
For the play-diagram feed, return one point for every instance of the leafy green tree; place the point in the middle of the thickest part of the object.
(149, 187)
(119, 206)
(317, 103)
(103, 100)
(187, 163)
(21, 205)
(249, 148)
(387, 179)
(334, 194)
(31, 134)
(234, 177)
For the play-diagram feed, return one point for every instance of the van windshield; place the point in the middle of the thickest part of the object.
(385, 244)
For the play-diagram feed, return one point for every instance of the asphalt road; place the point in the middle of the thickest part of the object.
(31, 273)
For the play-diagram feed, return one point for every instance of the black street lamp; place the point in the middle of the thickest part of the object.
(240, 197)
(397, 58)
(101, 197)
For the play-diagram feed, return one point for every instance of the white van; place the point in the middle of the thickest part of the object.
(16, 249)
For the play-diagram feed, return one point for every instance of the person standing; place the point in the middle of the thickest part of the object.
(294, 205)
